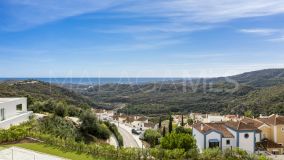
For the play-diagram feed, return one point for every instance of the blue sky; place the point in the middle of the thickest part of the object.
(145, 38)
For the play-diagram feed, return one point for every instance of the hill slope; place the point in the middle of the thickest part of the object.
(197, 96)
(41, 91)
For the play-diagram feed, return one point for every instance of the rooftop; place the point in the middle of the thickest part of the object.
(273, 120)
(4, 100)
(207, 127)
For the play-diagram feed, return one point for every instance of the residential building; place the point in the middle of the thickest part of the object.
(272, 132)
(139, 123)
(226, 135)
(13, 111)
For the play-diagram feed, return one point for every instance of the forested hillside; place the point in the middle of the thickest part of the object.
(41, 91)
(260, 91)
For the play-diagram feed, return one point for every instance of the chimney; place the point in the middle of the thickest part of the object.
(202, 127)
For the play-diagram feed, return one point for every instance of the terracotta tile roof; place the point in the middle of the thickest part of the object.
(273, 120)
(270, 144)
(142, 119)
(219, 127)
(241, 126)
(149, 125)
(256, 123)
(129, 119)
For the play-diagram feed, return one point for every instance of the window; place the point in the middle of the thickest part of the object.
(2, 114)
(213, 144)
(246, 135)
(19, 107)
(228, 142)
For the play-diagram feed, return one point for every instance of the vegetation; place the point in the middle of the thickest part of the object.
(59, 108)
(114, 130)
(41, 91)
(189, 121)
(260, 91)
(59, 127)
(181, 129)
(178, 140)
(152, 136)
(235, 154)
(170, 123)
(91, 126)
(182, 147)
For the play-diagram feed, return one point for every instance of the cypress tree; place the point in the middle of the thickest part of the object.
(170, 123)
(164, 131)
(160, 123)
(182, 123)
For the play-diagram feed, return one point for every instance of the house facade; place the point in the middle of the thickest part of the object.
(226, 135)
(13, 111)
(272, 132)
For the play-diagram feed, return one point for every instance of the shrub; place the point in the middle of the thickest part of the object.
(151, 136)
(178, 140)
(60, 109)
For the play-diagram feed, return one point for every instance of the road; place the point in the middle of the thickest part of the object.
(128, 139)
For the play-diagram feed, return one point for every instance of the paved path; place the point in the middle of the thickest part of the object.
(128, 139)
(17, 153)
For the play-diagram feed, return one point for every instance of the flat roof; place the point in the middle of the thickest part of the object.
(3, 100)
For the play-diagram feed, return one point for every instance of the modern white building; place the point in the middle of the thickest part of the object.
(226, 135)
(13, 111)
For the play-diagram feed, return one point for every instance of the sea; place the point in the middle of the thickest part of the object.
(97, 81)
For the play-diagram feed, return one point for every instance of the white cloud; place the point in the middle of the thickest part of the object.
(278, 39)
(24, 14)
(262, 32)
(204, 10)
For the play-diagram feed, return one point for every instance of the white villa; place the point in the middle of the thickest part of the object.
(13, 111)
(226, 135)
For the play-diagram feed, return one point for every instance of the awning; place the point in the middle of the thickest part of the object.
(213, 140)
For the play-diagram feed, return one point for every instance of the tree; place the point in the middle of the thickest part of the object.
(90, 125)
(182, 123)
(30, 100)
(160, 122)
(60, 109)
(170, 123)
(189, 121)
(151, 136)
(248, 113)
(181, 129)
(164, 131)
(178, 141)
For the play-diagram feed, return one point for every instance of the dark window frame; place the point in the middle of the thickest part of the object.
(19, 107)
(246, 136)
(228, 142)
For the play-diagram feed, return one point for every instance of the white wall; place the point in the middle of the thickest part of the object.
(10, 107)
(232, 143)
(247, 143)
(199, 137)
(213, 135)
(234, 133)
(257, 137)
(16, 120)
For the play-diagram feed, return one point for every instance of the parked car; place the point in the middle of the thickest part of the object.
(134, 131)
